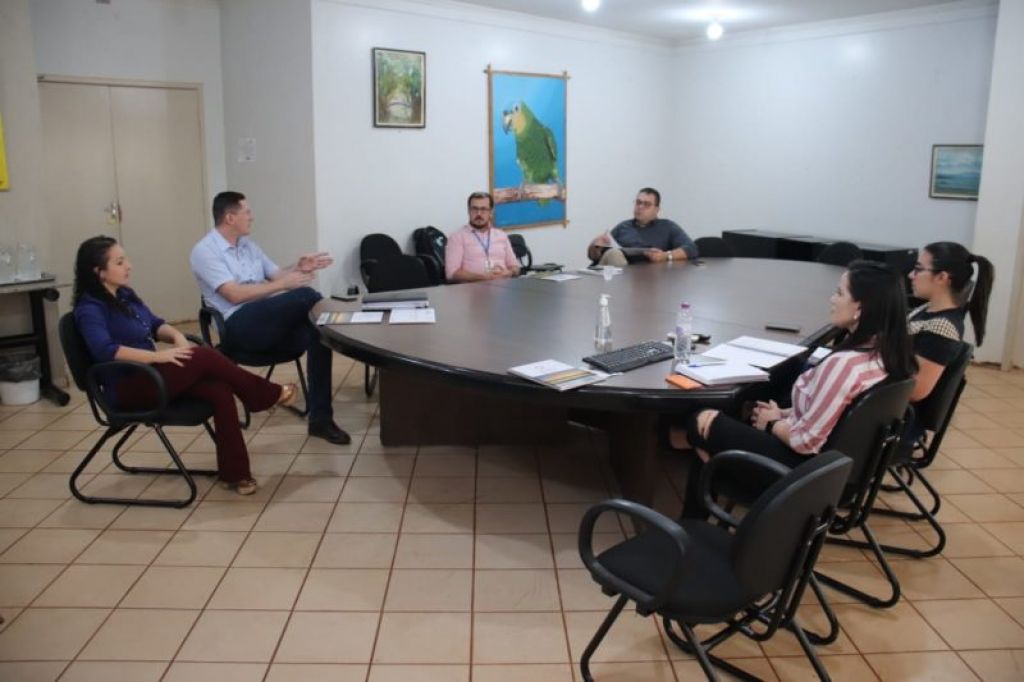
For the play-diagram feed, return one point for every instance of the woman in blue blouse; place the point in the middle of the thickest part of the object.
(117, 325)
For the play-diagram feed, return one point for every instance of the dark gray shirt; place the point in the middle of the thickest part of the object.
(661, 234)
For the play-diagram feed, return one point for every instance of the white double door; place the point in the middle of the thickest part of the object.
(126, 161)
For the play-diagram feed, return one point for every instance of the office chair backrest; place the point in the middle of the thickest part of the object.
(522, 252)
(933, 412)
(398, 272)
(429, 244)
(840, 253)
(769, 536)
(75, 351)
(713, 247)
(372, 248)
(873, 416)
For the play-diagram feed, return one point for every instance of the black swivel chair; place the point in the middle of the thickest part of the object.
(211, 320)
(372, 249)
(714, 247)
(179, 412)
(840, 253)
(934, 414)
(749, 575)
(393, 273)
(522, 251)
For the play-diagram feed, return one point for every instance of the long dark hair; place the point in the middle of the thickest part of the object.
(94, 253)
(882, 324)
(956, 261)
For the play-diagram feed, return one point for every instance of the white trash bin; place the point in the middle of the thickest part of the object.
(19, 392)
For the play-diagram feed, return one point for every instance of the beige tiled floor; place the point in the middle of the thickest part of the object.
(445, 564)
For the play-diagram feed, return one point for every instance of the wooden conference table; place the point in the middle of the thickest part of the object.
(448, 383)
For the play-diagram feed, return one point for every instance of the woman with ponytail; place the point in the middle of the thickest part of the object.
(944, 278)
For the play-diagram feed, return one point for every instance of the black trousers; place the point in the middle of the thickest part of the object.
(729, 433)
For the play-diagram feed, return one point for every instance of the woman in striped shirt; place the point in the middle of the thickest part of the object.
(870, 305)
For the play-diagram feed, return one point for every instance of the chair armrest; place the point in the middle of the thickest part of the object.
(208, 315)
(737, 465)
(94, 388)
(196, 340)
(657, 522)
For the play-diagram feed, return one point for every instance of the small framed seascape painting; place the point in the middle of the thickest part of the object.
(399, 88)
(956, 171)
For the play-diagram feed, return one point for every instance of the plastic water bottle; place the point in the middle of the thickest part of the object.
(603, 328)
(684, 327)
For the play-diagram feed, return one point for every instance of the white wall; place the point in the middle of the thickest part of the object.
(22, 217)
(998, 233)
(143, 40)
(828, 129)
(392, 181)
(268, 96)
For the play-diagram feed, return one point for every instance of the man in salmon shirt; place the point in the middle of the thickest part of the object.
(479, 251)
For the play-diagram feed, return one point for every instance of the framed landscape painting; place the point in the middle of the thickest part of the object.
(526, 131)
(399, 88)
(956, 171)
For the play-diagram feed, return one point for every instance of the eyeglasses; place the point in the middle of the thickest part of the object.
(479, 209)
(918, 269)
(641, 202)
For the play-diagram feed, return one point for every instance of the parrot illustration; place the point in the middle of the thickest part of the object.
(536, 151)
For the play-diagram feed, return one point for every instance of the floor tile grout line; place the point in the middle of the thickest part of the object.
(391, 569)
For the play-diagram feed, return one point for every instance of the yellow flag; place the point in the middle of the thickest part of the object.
(4, 180)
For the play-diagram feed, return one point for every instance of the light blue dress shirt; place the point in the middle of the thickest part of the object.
(215, 263)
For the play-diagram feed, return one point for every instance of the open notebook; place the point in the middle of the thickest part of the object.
(750, 350)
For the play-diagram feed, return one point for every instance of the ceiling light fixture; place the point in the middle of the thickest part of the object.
(591, 5)
(714, 30)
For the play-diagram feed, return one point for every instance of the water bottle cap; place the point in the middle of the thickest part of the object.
(684, 305)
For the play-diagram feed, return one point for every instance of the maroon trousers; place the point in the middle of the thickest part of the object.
(211, 377)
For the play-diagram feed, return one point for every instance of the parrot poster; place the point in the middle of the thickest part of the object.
(527, 144)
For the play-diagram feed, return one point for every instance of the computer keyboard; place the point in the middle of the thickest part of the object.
(631, 357)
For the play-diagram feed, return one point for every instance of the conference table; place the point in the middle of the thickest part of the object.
(448, 382)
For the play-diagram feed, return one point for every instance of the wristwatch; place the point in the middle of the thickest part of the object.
(770, 425)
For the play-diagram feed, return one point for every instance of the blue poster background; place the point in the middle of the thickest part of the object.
(545, 96)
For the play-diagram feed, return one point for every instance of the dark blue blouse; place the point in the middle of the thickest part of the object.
(105, 328)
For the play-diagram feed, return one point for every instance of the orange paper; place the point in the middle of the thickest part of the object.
(685, 383)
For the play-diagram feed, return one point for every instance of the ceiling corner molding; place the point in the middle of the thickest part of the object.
(965, 10)
(461, 12)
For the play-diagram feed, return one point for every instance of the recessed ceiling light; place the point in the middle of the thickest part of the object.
(591, 5)
(715, 30)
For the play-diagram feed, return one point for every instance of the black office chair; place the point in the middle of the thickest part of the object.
(749, 574)
(713, 247)
(840, 253)
(393, 273)
(88, 376)
(868, 433)
(522, 251)
(429, 244)
(372, 249)
(211, 320)
(933, 414)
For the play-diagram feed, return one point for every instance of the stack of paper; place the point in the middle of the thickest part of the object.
(750, 350)
(412, 316)
(724, 373)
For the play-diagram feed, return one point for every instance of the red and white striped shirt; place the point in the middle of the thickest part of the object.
(821, 394)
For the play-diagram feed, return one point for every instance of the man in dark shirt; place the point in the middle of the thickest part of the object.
(644, 238)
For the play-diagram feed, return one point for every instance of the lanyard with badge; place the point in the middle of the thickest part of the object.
(486, 246)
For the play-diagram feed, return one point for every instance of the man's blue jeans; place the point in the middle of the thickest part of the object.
(281, 323)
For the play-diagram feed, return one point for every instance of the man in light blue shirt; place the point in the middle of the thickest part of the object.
(266, 307)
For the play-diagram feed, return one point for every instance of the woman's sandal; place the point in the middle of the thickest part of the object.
(289, 394)
(247, 486)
